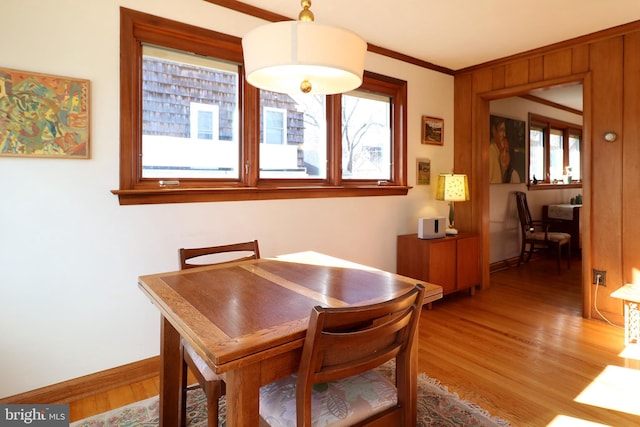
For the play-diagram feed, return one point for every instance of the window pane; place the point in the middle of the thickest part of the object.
(366, 136)
(293, 136)
(556, 157)
(190, 116)
(536, 153)
(574, 156)
(274, 126)
(205, 125)
(204, 120)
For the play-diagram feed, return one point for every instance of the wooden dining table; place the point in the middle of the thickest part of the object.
(248, 319)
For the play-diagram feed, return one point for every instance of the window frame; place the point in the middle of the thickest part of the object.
(547, 123)
(138, 28)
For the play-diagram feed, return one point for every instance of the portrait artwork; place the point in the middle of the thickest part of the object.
(507, 151)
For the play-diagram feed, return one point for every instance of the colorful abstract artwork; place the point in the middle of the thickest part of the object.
(43, 115)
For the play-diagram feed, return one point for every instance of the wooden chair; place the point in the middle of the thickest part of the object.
(212, 385)
(340, 352)
(207, 254)
(535, 232)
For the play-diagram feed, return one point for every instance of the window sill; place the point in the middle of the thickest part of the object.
(546, 186)
(198, 195)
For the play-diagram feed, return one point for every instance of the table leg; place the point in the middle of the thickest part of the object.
(170, 372)
(243, 396)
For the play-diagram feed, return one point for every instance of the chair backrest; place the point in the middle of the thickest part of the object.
(342, 342)
(250, 249)
(526, 222)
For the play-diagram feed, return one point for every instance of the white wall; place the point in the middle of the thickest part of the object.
(70, 255)
(504, 224)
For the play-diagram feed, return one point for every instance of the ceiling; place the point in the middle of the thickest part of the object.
(569, 96)
(456, 34)
(460, 33)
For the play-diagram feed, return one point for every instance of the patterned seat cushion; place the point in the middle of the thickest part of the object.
(552, 236)
(338, 403)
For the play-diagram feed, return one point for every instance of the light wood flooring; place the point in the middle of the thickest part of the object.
(520, 350)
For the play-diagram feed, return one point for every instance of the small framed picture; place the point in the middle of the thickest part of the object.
(432, 130)
(423, 172)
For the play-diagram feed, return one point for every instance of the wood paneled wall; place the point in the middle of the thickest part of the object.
(608, 65)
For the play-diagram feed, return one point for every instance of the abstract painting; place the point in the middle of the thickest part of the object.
(43, 115)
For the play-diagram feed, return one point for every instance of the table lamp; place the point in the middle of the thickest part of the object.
(452, 188)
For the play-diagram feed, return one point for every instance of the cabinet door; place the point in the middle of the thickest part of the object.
(442, 263)
(468, 262)
(411, 255)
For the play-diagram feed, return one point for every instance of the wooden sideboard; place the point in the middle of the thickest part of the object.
(452, 262)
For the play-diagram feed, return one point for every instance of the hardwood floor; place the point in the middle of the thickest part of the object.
(114, 398)
(520, 350)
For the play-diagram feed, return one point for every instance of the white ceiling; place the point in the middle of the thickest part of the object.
(569, 96)
(456, 34)
(460, 33)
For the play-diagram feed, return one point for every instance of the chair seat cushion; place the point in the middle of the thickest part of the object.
(551, 236)
(337, 403)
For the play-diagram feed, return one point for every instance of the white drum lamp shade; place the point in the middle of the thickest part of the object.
(301, 56)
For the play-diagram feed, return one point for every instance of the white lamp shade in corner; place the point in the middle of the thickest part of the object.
(280, 56)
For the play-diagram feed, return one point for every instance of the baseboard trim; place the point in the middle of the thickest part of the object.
(78, 388)
(503, 265)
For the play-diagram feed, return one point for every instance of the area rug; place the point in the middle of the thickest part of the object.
(437, 407)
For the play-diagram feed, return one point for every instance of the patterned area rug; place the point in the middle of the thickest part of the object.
(437, 406)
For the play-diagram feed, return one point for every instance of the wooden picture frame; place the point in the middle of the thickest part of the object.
(43, 115)
(432, 130)
(423, 171)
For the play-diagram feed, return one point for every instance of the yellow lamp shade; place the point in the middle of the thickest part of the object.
(452, 187)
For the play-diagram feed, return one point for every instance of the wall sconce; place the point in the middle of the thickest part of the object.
(610, 136)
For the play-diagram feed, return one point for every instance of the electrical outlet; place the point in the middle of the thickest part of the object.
(599, 277)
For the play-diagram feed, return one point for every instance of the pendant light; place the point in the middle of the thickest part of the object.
(303, 56)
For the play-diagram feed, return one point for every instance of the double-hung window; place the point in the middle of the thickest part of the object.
(192, 129)
(555, 149)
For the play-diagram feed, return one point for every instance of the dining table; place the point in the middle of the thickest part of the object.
(248, 319)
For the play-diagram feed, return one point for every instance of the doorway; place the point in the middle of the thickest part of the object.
(500, 224)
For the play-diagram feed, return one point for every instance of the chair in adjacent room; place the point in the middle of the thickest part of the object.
(342, 348)
(535, 233)
(212, 385)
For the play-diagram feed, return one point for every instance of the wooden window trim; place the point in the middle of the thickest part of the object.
(138, 28)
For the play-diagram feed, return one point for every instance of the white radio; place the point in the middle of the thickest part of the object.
(431, 228)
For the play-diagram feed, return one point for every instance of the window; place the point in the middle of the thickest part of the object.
(366, 136)
(302, 153)
(554, 151)
(204, 121)
(193, 130)
(184, 97)
(274, 126)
